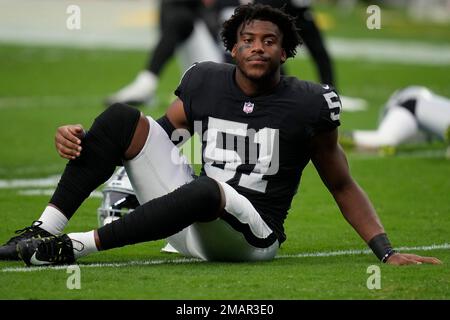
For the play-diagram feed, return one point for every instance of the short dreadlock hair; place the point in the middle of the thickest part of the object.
(246, 13)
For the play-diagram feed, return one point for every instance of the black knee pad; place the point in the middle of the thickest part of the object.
(117, 125)
(206, 192)
(103, 150)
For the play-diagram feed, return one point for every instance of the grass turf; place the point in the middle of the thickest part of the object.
(42, 88)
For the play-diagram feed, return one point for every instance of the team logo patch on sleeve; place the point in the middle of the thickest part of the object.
(248, 107)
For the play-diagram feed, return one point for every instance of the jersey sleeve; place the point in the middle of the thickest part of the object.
(330, 108)
(185, 90)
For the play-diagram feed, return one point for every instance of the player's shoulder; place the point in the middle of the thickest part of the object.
(307, 89)
(202, 74)
(318, 102)
(209, 68)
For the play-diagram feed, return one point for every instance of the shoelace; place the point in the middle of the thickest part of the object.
(58, 251)
(22, 233)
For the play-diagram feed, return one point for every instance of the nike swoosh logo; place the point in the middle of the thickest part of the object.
(326, 87)
(35, 261)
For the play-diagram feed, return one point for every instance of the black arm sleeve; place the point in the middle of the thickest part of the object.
(166, 125)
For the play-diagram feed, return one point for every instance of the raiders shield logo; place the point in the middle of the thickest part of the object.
(248, 107)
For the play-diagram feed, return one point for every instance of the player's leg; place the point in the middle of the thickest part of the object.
(212, 233)
(167, 168)
(398, 125)
(432, 112)
(240, 234)
(118, 132)
(154, 171)
(200, 46)
(197, 201)
(406, 113)
(154, 174)
(176, 22)
(315, 44)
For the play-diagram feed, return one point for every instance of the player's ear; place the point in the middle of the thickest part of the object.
(233, 51)
(283, 56)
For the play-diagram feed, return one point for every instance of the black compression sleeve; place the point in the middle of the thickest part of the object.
(166, 125)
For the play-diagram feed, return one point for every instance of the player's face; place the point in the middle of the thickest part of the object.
(258, 51)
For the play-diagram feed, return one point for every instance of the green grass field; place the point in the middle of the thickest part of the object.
(44, 87)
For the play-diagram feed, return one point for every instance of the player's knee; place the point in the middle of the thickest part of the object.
(207, 191)
(118, 115)
(117, 124)
(210, 187)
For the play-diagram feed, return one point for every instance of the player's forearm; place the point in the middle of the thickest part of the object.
(358, 211)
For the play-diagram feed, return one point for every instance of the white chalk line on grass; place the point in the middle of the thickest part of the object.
(194, 260)
(40, 183)
(139, 263)
(49, 101)
(365, 251)
(50, 181)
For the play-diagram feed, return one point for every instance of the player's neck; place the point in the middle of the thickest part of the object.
(252, 88)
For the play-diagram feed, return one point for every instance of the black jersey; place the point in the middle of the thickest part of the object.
(258, 145)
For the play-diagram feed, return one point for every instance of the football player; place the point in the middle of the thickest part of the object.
(407, 113)
(259, 130)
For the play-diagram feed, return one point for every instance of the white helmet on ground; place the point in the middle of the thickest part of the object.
(118, 198)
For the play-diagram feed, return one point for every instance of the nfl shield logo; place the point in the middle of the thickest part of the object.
(248, 107)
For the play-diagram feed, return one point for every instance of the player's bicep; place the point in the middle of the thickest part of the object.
(330, 160)
(176, 115)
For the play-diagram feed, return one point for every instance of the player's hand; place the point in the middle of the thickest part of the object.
(68, 140)
(400, 259)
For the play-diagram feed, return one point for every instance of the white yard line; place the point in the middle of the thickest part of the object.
(192, 260)
(24, 183)
(365, 251)
(108, 265)
(49, 192)
(39, 184)
(26, 102)
(403, 52)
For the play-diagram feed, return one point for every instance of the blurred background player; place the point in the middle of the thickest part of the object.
(409, 114)
(184, 25)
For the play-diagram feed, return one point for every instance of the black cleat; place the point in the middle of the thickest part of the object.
(8, 250)
(53, 250)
